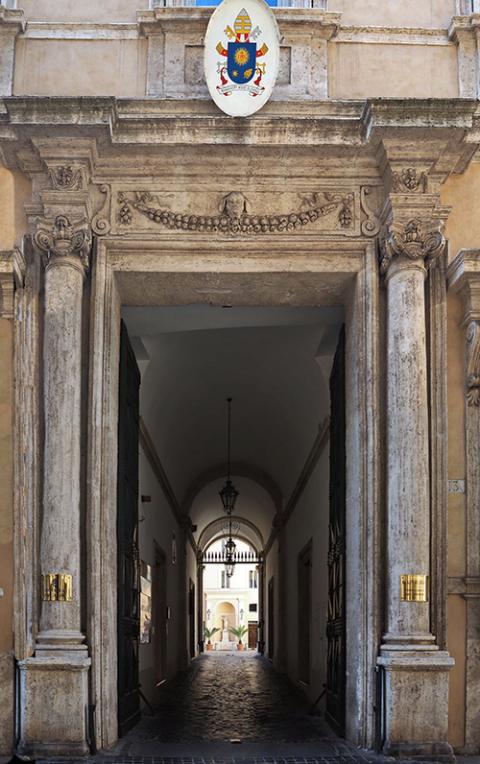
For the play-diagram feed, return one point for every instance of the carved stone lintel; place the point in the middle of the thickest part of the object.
(473, 364)
(12, 271)
(64, 242)
(234, 215)
(66, 178)
(409, 181)
(414, 240)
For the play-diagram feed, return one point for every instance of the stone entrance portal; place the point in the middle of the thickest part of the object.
(215, 234)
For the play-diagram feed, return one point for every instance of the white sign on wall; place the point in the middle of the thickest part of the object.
(242, 54)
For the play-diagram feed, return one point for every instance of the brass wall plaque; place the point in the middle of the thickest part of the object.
(413, 588)
(57, 587)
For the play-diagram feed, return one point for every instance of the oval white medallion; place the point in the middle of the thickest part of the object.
(242, 54)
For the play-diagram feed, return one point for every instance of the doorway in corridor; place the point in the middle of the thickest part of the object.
(275, 363)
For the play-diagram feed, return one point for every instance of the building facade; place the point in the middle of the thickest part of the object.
(352, 192)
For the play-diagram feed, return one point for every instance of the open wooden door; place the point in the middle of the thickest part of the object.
(336, 643)
(128, 610)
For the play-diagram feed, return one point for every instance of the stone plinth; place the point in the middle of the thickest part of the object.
(415, 681)
(54, 714)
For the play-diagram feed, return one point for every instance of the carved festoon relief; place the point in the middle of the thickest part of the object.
(473, 364)
(63, 239)
(409, 180)
(414, 240)
(66, 178)
(235, 214)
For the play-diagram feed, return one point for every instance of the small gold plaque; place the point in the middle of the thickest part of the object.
(413, 588)
(57, 587)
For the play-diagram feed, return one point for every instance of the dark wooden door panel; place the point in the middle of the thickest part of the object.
(304, 613)
(128, 612)
(252, 634)
(336, 642)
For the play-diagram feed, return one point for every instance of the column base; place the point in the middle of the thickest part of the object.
(54, 706)
(415, 703)
(434, 752)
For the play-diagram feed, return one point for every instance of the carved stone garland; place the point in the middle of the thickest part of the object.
(234, 218)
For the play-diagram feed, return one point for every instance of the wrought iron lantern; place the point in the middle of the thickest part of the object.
(229, 495)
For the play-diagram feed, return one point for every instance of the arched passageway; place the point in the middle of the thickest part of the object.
(276, 364)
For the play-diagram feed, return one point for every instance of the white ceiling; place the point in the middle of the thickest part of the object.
(271, 361)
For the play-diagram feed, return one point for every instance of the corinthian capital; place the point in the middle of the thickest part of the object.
(414, 240)
(64, 242)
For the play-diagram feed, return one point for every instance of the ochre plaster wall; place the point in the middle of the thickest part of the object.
(462, 192)
(456, 613)
(89, 67)
(362, 70)
(6, 538)
(407, 13)
(14, 190)
(87, 10)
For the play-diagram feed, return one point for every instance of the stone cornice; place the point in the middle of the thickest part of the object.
(12, 273)
(12, 21)
(315, 21)
(463, 24)
(338, 124)
(464, 279)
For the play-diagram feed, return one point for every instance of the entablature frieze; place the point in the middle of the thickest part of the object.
(378, 173)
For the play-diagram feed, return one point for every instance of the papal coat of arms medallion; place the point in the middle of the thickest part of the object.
(241, 56)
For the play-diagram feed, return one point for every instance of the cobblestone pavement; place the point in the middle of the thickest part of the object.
(227, 697)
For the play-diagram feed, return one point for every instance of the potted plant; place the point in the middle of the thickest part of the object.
(209, 634)
(239, 632)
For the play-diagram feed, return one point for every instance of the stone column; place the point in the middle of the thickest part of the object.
(416, 671)
(261, 607)
(54, 682)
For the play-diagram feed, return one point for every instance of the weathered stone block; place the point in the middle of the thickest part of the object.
(416, 704)
(7, 704)
(54, 708)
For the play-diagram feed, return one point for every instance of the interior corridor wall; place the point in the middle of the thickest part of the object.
(309, 522)
(271, 573)
(158, 526)
(190, 575)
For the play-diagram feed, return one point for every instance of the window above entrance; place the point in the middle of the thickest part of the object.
(211, 3)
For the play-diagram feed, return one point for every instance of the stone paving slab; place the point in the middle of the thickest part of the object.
(234, 696)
